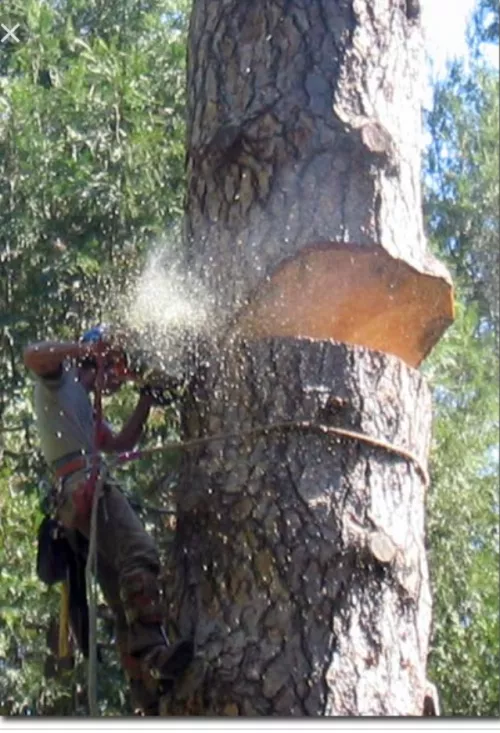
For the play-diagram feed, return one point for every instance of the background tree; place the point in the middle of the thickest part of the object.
(462, 214)
(91, 170)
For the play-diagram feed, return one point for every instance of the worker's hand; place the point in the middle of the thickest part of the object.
(97, 350)
(112, 356)
(158, 395)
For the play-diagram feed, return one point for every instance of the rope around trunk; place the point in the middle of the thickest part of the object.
(305, 425)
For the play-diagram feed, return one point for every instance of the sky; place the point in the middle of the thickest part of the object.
(445, 24)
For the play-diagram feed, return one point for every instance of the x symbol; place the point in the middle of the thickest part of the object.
(10, 33)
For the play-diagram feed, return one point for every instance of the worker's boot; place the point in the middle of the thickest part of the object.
(148, 642)
(143, 689)
(144, 701)
(168, 661)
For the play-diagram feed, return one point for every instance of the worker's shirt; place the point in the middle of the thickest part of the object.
(64, 417)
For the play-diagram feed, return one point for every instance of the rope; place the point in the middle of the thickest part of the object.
(305, 425)
(96, 480)
(90, 573)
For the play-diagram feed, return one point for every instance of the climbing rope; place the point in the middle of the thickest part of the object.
(90, 575)
(96, 481)
(300, 425)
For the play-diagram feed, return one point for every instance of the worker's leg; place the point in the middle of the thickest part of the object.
(143, 688)
(125, 545)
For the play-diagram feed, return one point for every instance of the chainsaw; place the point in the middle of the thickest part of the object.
(129, 363)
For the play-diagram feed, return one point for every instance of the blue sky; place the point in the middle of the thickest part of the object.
(445, 24)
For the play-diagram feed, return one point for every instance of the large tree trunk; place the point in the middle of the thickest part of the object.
(300, 565)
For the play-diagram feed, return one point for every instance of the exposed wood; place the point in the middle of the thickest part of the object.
(305, 127)
(357, 294)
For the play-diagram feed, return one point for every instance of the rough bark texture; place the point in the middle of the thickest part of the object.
(305, 126)
(300, 566)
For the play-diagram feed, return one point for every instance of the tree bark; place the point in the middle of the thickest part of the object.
(304, 127)
(300, 566)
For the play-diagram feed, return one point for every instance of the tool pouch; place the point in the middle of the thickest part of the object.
(52, 552)
(78, 606)
(61, 556)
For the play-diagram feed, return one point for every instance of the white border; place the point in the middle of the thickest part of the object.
(228, 726)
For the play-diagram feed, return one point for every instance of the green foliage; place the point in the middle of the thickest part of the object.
(91, 171)
(25, 606)
(463, 505)
(462, 204)
(485, 25)
(91, 143)
(463, 521)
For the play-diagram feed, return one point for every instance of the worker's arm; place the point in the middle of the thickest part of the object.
(46, 357)
(131, 433)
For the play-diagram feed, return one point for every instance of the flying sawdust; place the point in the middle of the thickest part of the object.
(166, 312)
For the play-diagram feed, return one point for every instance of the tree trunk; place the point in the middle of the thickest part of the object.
(300, 566)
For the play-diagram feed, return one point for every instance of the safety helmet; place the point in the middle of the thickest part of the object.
(95, 334)
(116, 364)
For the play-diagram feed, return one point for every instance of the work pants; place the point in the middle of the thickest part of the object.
(128, 566)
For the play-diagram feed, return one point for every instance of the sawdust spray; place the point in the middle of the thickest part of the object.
(165, 310)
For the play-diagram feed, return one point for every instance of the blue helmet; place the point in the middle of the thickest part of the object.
(94, 334)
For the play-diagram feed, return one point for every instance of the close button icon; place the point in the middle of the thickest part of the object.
(10, 33)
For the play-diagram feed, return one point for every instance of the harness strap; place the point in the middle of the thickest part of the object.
(63, 460)
(77, 464)
(73, 462)
(63, 641)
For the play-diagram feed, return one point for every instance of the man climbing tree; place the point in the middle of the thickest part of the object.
(127, 562)
(303, 573)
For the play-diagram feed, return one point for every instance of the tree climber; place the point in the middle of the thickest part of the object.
(127, 560)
